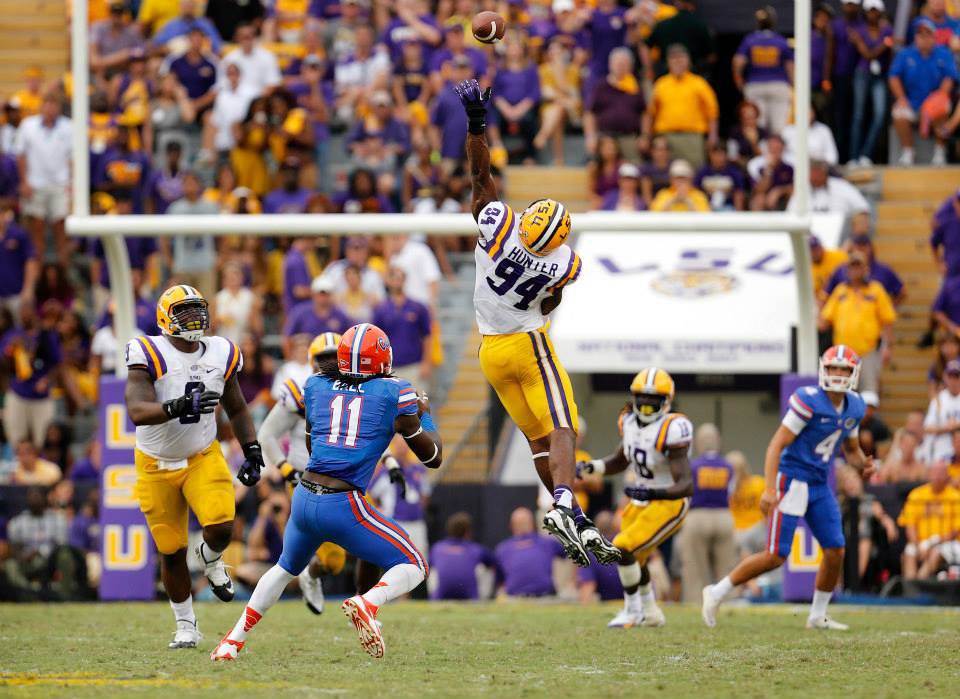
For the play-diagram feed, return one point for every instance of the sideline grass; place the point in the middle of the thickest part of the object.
(486, 650)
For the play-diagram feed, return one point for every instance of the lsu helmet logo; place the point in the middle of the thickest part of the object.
(544, 226)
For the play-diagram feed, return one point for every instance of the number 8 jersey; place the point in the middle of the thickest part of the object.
(174, 373)
(511, 283)
(646, 446)
(820, 429)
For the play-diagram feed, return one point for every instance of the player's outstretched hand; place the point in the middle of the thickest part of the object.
(473, 98)
(249, 473)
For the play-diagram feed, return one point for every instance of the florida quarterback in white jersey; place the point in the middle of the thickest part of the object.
(175, 382)
(655, 444)
(523, 266)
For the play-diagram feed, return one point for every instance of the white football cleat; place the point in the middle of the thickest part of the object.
(626, 619)
(653, 617)
(560, 524)
(595, 542)
(227, 649)
(709, 609)
(187, 635)
(826, 623)
(216, 572)
(363, 615)
(312, 590)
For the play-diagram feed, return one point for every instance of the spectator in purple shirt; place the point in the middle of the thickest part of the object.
(165, 185)
(454, 561)
(296, 275)
(319, 316)
(874, 43)
(123, 167)
(516, 96)
(772, 178)
(607, 28)
(379, 141)
(449, 121)
(289, 197)
(525, 560)
(615, 105)
(84, 534)
(723, 182)
(845, 59)
(626, 197)
(706, 540)
(19, 266)
(402, 490)
(599, 581)
(196, 70)
(945, 240)
(946, 307)
(876, 271)
(454, 44)
(413, 22)
(763, 71)
(821, 58)
(407, 324)
(9, 181)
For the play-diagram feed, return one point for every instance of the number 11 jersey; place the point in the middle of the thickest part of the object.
(820, 429)
(512, 282)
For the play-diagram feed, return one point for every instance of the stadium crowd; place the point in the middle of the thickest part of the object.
(316, 106)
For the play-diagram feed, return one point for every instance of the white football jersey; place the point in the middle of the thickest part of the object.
(646, 446)
(511, 282)
(174, 373)
(291, 398)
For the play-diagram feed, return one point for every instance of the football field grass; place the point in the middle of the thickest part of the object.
(114, 651)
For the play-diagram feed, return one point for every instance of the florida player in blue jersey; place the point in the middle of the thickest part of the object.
(351, 414)
(820, 420)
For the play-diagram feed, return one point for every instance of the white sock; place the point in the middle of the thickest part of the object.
(397, 581)
(631, 600)
(565, 499)
(646, 595)
(183, 611)
(818, 608)
(721, 589)
(629, 575)
(266, 594)
(208, 556)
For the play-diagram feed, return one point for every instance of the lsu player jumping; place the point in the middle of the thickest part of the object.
(351, 416)
(287, 418)
(523, 266)
(820, 420)
(174, 384)
(656, 443)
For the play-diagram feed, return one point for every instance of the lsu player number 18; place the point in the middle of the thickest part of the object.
(175, 382)
(656, 445)
(523, 267)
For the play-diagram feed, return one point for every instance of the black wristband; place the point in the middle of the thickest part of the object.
(251, 447)
(477, 125)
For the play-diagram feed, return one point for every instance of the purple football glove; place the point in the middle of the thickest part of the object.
(474, 102)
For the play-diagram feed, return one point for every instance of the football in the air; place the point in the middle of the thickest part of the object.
(488, 27)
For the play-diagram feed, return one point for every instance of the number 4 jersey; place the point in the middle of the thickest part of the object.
(646, 446)
(820, 429)
(174, 373)
(511, 282)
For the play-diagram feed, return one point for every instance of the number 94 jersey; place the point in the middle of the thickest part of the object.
(512, 282)
(820, 429)
(646, 446)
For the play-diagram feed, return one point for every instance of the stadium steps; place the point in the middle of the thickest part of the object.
(566, 184)
(32, 34)
(909, 198)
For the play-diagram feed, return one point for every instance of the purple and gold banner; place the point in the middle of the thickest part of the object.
(128, 554)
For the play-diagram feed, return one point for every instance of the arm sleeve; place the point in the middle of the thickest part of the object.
(679, 432)
(279, 421)
(291, 397)
(572, 273)
(407, 399)
(798, 414)
(234, 363)
(495, 220)
(136, 355)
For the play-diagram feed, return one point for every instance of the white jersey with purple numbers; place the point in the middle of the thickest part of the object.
(646, 445)
(511, 282)
(820, 429)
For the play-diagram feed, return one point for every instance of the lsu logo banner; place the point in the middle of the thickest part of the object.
(128, 554)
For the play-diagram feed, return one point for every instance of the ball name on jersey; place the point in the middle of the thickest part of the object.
(518, 255)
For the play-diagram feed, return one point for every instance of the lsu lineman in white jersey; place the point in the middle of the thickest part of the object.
(655, 446)
(175, 383)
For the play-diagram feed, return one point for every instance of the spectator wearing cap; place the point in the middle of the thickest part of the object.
(820, 142)
(946, 27)
(44, 155)
(615, 105)
(516, 95)
(686, 28)
(874, 433)
(763, 70)
(931, 518)
(448, 121)
(943, 415)
(874, 43)
(19, 266)
(413, 22)
(921, 79)
(380, 140)
(455, 560)
(830, 194)
(772, 178)
(356, 254)
(112, 40)
(626, 197)
(321, 315)
(258, 66)
(408, 325)
(170, 37)
(194, 257)
(296, 275)
(845, 58)
(681, 195)
(877, 270)
(706, 541)
(825, 261)
(360, 73)
(600, 582)
(525, 560)
(861, 315)
(722, 181)
(289, 197)
(196, 71)
(683, 108)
